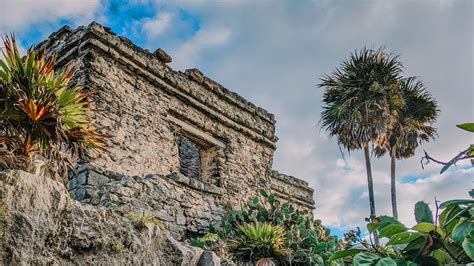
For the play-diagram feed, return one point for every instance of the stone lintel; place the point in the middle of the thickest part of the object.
(201, 137)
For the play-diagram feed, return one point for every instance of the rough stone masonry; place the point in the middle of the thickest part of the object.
(182, 145)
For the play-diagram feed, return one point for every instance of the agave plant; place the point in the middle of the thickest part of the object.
(41, 118)
(258, 241)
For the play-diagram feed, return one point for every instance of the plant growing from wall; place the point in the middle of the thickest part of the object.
(42, 120)
(306, 241)
(446, 238)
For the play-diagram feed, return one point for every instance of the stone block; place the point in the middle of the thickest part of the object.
(82, 179)
(195, 75)
(72, 184)
(95, 179)
(162, 56)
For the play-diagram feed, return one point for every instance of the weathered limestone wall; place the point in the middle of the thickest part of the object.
(186, 206)
(148, 108)
(292, 188)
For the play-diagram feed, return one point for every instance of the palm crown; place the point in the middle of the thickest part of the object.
(361, 97)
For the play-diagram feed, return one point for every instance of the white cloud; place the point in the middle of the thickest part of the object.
(158, 25)
(189, 52)
(17, 15)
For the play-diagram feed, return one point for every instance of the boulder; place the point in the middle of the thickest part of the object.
(41, 224)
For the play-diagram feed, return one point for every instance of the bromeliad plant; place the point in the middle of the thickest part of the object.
(447, 238)
(306, 241)
(41, 118)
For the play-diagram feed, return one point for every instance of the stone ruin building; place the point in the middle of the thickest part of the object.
(182, 145)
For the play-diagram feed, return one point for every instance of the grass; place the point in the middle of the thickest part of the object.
(146, 219)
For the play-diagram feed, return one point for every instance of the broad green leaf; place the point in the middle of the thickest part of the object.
(392, 229)
(461, 230)
(424, 227)
(429, 260)
(403, 238)
(416, 245)
(386, 221)
(366, 259)
(345, 253)
(455, 202)
(373, 226)
(428, 227)
(450, 217)
(263, 192)
(423, 212)
(470, 152)
(386, 262)
(467, 126)
(468, 245)
(441, 256)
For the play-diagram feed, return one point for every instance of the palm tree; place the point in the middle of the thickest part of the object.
(361, 97)
(413, 127)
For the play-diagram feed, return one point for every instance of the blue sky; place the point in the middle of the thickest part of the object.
(273, 53)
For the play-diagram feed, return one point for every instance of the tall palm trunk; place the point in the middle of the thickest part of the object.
(370, 183)
(392, 183)
(370, 180)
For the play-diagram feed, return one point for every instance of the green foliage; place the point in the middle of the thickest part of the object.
(306, 241)
(114, 246)
(142, 220)
(258, 240)
(205, 242)
(40, 117)
(426, 243)
(423, 212)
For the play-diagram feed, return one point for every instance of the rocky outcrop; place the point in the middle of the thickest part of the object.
(42, 225)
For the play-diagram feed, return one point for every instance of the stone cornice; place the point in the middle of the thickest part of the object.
(291, 180)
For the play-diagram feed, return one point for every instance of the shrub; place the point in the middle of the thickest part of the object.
(306, 241)
(41, 119)
(450, 240)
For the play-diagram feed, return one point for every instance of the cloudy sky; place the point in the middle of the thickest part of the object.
(274, 52)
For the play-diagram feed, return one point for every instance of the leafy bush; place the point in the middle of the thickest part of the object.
(426, 243)
(306, 241)
(41, 119)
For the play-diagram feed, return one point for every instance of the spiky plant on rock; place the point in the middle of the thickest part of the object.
(41, 118)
